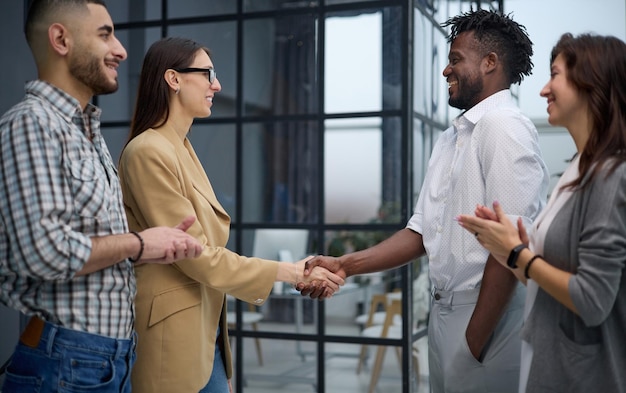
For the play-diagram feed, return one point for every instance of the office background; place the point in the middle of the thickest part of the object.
(325, 123)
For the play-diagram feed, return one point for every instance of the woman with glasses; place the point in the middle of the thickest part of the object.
(181, 314)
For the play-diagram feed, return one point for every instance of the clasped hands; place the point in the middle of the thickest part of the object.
(312, 284)
(317, 278)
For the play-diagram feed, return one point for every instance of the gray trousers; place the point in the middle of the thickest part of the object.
(452, 368)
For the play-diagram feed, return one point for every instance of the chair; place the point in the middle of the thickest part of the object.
(250, 317)
(389, 329)
(376, 317)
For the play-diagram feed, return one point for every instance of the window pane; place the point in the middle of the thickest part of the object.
(214, 145)
(268, 5)
(279, 63)
(119, 106)
(421, 153)
(363, 70)
(123, 11)
(424, 138)
(426, 58)
(353, 171)
(430, 90)
(221, 39)
(353, 64)
(330, 2)
(193, 8)
(558, 149)
(280, 170)
(284, 370)
(115, 138)
(341, 369)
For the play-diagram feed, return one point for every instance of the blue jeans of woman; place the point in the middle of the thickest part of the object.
(218, 383)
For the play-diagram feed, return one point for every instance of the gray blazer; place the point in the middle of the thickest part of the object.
(587, 237)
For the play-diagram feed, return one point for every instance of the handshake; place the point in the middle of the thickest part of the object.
(319, 276)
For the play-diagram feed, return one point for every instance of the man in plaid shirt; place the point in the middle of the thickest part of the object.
(66, 255)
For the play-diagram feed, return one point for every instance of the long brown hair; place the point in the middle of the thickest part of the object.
(596, 66)
(152, 108)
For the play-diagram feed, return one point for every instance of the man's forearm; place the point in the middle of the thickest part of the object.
(496, 290)
(399, 249)
(109, 250)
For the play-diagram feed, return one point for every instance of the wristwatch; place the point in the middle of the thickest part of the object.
(512, 260)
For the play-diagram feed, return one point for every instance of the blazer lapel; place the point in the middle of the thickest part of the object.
(189, 160)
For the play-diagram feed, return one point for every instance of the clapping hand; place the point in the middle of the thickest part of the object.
(494, 230)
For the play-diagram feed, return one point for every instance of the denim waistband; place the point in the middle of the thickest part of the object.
(53, 335)
(455, 298)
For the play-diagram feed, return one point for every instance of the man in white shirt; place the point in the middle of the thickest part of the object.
(490, 153)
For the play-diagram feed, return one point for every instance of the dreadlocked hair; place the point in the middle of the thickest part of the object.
(498, 33)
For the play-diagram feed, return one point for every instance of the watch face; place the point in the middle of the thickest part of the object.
(512, 260)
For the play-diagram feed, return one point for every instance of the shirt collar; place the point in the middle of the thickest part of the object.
(475, 113)
(64, 103)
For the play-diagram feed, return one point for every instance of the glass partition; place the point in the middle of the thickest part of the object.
(280, 172)
(214, 145)
(280, 65)
(124, 11)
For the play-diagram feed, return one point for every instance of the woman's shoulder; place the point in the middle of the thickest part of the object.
(611, 170)
(150, 140)
(148, 146)
(608, 182)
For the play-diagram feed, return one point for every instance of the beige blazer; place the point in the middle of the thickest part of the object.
(179, 306)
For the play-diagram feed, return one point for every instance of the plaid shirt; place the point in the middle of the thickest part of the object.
(58, 188)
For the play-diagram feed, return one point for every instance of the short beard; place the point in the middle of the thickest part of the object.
(89, 71)
(468, 91)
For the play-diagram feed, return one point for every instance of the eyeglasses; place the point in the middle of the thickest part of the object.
(210, 72)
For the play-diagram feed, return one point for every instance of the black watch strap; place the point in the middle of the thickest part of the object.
(512, 260)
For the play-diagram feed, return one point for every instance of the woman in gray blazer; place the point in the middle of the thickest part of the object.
(574, 260)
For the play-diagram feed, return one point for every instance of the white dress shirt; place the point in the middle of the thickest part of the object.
(491, 153)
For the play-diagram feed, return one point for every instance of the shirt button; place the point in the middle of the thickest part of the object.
(439, 228)
(437, 296)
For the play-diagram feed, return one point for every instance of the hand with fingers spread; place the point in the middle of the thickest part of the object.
(494, 230)
(164, 245)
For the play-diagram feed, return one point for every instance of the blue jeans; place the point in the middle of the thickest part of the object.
(67, 360)
(218, 383)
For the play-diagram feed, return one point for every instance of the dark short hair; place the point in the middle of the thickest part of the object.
(498, 33)
(39, 9)
(153, 95)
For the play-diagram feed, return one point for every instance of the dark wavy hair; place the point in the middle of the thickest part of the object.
(497, 33)
(152, 107)
(596, 67)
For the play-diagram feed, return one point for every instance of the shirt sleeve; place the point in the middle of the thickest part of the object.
(39, 203)
(596, 283)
